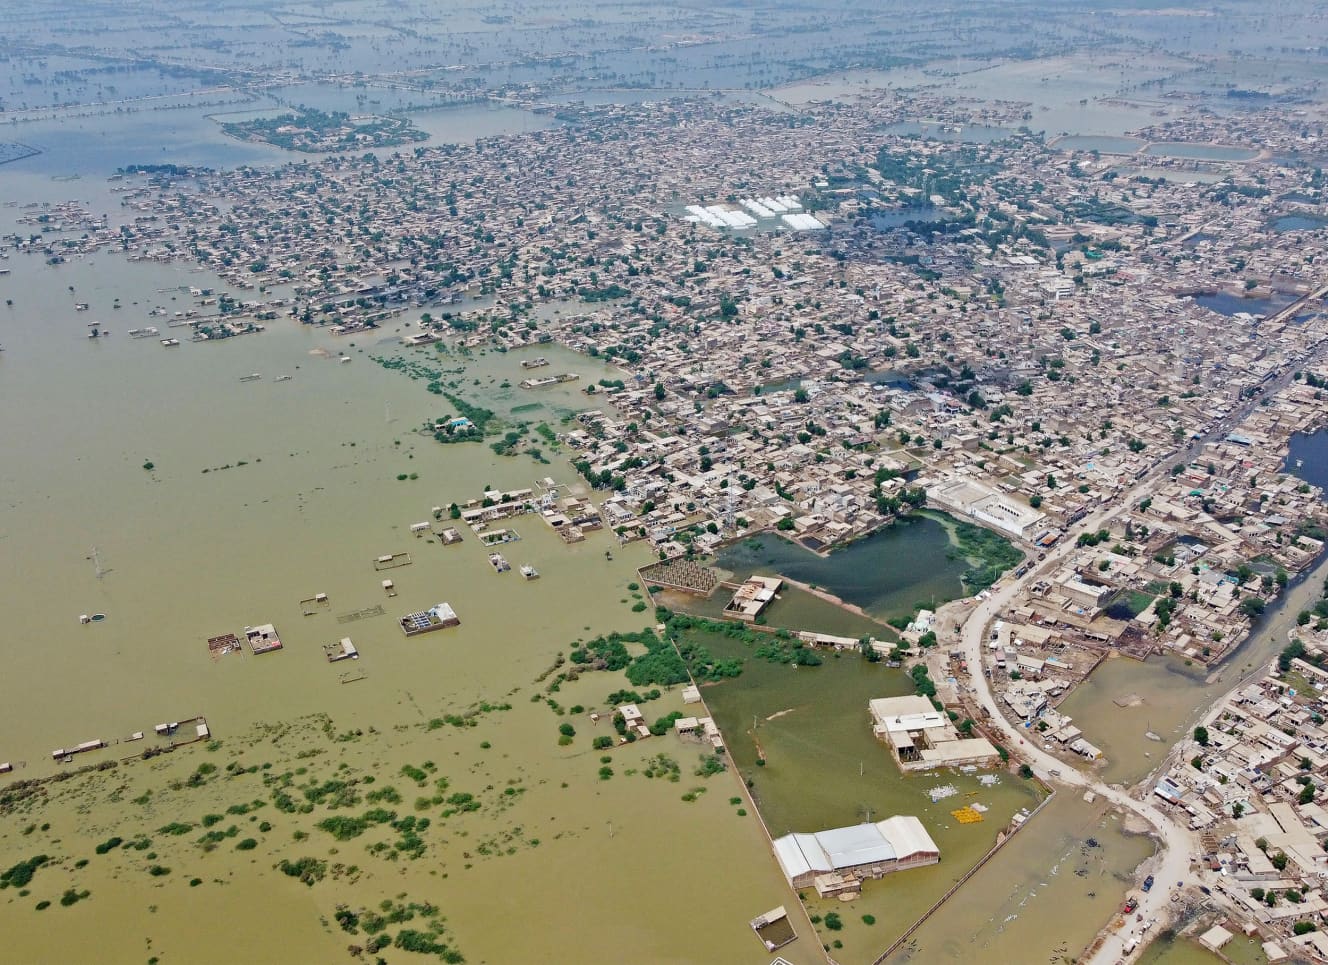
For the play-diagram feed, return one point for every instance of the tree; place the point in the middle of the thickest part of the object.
(1035, 501)
(1025, 771)
(1252, 606)
(659, 391)
(1307, 794)
(1279, 860)
(1201, 736)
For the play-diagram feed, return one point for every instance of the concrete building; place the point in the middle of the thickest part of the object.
(967, 497)
(921, 736)
(752, 597)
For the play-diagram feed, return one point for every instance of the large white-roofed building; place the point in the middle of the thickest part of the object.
(841, 859)
(968, 497)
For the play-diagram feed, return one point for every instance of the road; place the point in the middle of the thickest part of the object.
(1177, 844)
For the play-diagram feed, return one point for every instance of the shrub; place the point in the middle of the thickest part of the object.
(308, 870)
(20, 874)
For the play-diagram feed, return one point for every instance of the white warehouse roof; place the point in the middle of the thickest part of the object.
(894, 839)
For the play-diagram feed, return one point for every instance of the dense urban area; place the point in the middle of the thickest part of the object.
(1097, 363)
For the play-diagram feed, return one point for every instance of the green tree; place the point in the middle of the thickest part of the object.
(1201, 736)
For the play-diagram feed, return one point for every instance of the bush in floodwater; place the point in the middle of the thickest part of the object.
(73, 897)
(20, 874)
(343, 828)
(308, 870)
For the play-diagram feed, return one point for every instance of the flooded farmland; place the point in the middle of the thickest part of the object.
(160, 490)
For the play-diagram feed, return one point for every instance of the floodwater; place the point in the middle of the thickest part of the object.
(1299, 222)
(1307, 457)
(1180, 951)
(891, 573)
(97, 144)
(793, 609)
(922, 213)
(1100, 143)
(1227, 304)
(261, 494)
(1200, 152)
(1050, 890)
(1173, 695)
(824, 769)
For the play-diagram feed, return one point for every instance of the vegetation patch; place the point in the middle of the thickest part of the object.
(19, 875)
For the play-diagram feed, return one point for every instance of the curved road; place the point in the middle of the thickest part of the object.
(1177, 844)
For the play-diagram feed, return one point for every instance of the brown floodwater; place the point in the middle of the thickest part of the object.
(1043, 897)
(300, 494)
(1165, 696)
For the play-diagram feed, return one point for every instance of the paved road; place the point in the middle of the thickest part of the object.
(1177, 843)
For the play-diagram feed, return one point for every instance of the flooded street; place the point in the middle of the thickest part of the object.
(1166, 697)
(466, 794)
(1042, 898)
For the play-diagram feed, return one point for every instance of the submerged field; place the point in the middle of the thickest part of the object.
(801, 737)
(421, 775)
